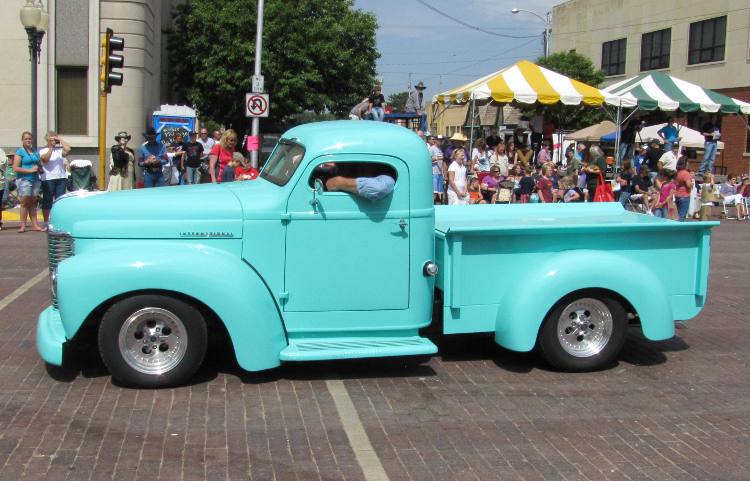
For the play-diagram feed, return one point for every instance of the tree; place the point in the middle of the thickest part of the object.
(317, 56)
(574, 65)
(398, 101)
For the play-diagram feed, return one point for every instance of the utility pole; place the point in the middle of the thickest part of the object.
(258, 48)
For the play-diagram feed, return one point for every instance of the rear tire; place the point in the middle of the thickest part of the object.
(583, 332)
(152, 341)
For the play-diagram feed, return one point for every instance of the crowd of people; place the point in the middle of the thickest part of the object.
(518, 169)
(654, 180)
(197, 159)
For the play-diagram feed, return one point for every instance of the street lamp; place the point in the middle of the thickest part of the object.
(547, 34)
(35, 21)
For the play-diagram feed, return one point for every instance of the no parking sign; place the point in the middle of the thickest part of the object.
(256, 105)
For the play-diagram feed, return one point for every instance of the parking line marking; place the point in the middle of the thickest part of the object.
(366, 456)
(21, 290)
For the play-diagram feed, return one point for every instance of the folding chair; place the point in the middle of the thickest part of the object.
(11, 194)
(637, 204)
(731, 202)
(81, 175)
(504, 194)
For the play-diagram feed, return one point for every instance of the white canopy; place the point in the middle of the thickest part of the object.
(689, 137)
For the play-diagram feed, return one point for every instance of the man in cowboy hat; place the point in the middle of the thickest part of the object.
(415, 104)
(121, 162)
(152, 156)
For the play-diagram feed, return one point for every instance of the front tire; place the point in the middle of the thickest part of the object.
(152, 340)
(583, 332)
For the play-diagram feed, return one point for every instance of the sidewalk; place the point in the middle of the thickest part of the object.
(14, 214)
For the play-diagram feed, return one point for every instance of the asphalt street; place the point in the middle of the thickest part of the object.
(674, 410)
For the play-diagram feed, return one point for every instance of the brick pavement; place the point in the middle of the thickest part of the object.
(674, 410)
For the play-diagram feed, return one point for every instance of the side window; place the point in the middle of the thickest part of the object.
(350, 170)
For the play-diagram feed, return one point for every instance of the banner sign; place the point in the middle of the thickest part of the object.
(167, 126)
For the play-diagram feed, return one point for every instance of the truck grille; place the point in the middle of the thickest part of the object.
(59, 247)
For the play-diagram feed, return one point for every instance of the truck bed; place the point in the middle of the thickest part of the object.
(547, 218)
(505, 265)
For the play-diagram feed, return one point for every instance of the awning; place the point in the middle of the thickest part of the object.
(592, 132)
(528, 83)
(657, 90)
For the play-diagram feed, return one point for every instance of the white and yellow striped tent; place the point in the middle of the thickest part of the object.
(528, 83)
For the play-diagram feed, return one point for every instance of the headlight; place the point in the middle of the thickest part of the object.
(430, 269)
(53, 282)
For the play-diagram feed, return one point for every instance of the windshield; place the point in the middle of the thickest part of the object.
(283, 162)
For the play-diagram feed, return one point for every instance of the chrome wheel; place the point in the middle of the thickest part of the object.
(153, 340)
(584, 327)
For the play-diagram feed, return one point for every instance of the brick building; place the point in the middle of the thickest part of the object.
(705, 43)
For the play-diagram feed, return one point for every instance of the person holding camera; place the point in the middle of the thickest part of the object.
(54, 175)
(121, 164)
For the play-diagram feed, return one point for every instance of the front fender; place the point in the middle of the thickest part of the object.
(521, 314)
(213, 276)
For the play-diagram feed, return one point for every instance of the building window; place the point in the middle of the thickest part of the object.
(707, 40)
(747, 136)
(72, 100)
(613, 57)
(655, 48)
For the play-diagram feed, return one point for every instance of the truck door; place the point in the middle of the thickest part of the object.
(343, 252)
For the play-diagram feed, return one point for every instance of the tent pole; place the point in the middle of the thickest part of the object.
(471, 135)
(609, 114)
(560, 150)
(618, 131)
(627, 117)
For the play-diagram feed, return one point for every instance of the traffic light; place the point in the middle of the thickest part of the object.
(111, 60)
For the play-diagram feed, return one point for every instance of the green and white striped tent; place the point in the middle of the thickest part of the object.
(657, 90)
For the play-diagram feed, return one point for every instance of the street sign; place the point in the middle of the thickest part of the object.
(258, 83)
(256, 105)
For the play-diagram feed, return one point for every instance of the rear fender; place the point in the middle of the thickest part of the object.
(217, 278)
(522, 312)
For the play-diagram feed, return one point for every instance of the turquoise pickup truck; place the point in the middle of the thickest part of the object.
(286, 271)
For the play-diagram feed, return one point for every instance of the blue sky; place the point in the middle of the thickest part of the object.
(444, 54)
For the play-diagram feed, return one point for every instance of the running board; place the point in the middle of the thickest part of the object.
(319, 349)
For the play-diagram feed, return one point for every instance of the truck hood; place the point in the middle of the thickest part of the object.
(191, 211)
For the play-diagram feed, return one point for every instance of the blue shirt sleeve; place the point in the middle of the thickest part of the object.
(375, 188)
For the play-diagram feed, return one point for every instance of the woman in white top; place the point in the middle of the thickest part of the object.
(54, 173)
(480, 157)
(457, 192)
(500, 159)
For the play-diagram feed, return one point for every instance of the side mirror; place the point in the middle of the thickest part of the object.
(316, 191)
